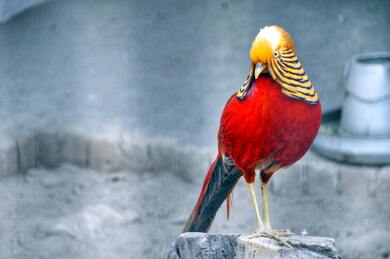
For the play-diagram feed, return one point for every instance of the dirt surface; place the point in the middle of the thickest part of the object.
(79, 213)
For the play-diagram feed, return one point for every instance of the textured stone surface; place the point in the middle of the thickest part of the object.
(48, 148)
(27, 150)
(8, 156)
(74, 148)
(230, 246)
(160, 154)
(23, 148)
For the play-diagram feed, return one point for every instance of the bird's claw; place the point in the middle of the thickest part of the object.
(284, 233)
(273, 234)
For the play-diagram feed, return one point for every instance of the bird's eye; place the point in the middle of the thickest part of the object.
(276, 54)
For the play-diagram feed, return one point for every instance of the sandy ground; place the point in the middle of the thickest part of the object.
(80, 213)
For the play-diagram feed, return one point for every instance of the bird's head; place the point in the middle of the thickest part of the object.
(268, 44)
(273, 52)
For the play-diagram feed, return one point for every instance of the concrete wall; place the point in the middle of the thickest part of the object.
(167, 67)
(11, 8)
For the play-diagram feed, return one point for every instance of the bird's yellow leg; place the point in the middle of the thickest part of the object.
(251, 188)
(265, 229)
(264, 193)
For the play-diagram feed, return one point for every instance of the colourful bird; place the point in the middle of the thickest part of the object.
(268, 124)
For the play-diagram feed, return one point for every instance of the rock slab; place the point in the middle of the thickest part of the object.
(234, 246)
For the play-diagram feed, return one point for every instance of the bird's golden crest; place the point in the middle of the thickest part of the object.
(273, 50)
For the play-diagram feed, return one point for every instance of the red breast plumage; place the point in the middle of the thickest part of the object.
(267, 126)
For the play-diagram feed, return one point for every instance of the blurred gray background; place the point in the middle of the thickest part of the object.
(168, 67)
(164, 70)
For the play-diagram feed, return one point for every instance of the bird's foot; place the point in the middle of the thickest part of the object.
(277, 235)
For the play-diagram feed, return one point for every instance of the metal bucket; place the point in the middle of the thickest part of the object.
(366, 110)
(360, 132)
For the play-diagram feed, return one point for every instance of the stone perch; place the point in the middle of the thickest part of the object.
(234, 246)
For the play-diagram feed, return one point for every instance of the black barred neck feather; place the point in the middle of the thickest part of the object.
(286, 69)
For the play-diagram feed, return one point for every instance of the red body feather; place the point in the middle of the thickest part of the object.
(267, 126)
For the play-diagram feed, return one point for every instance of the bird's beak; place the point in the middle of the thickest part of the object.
(259, 68)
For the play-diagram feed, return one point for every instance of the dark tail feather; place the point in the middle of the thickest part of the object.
(219, 182)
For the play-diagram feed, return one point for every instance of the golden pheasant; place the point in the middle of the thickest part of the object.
(268, 124)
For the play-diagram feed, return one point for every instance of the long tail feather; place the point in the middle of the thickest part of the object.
(218, 184)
